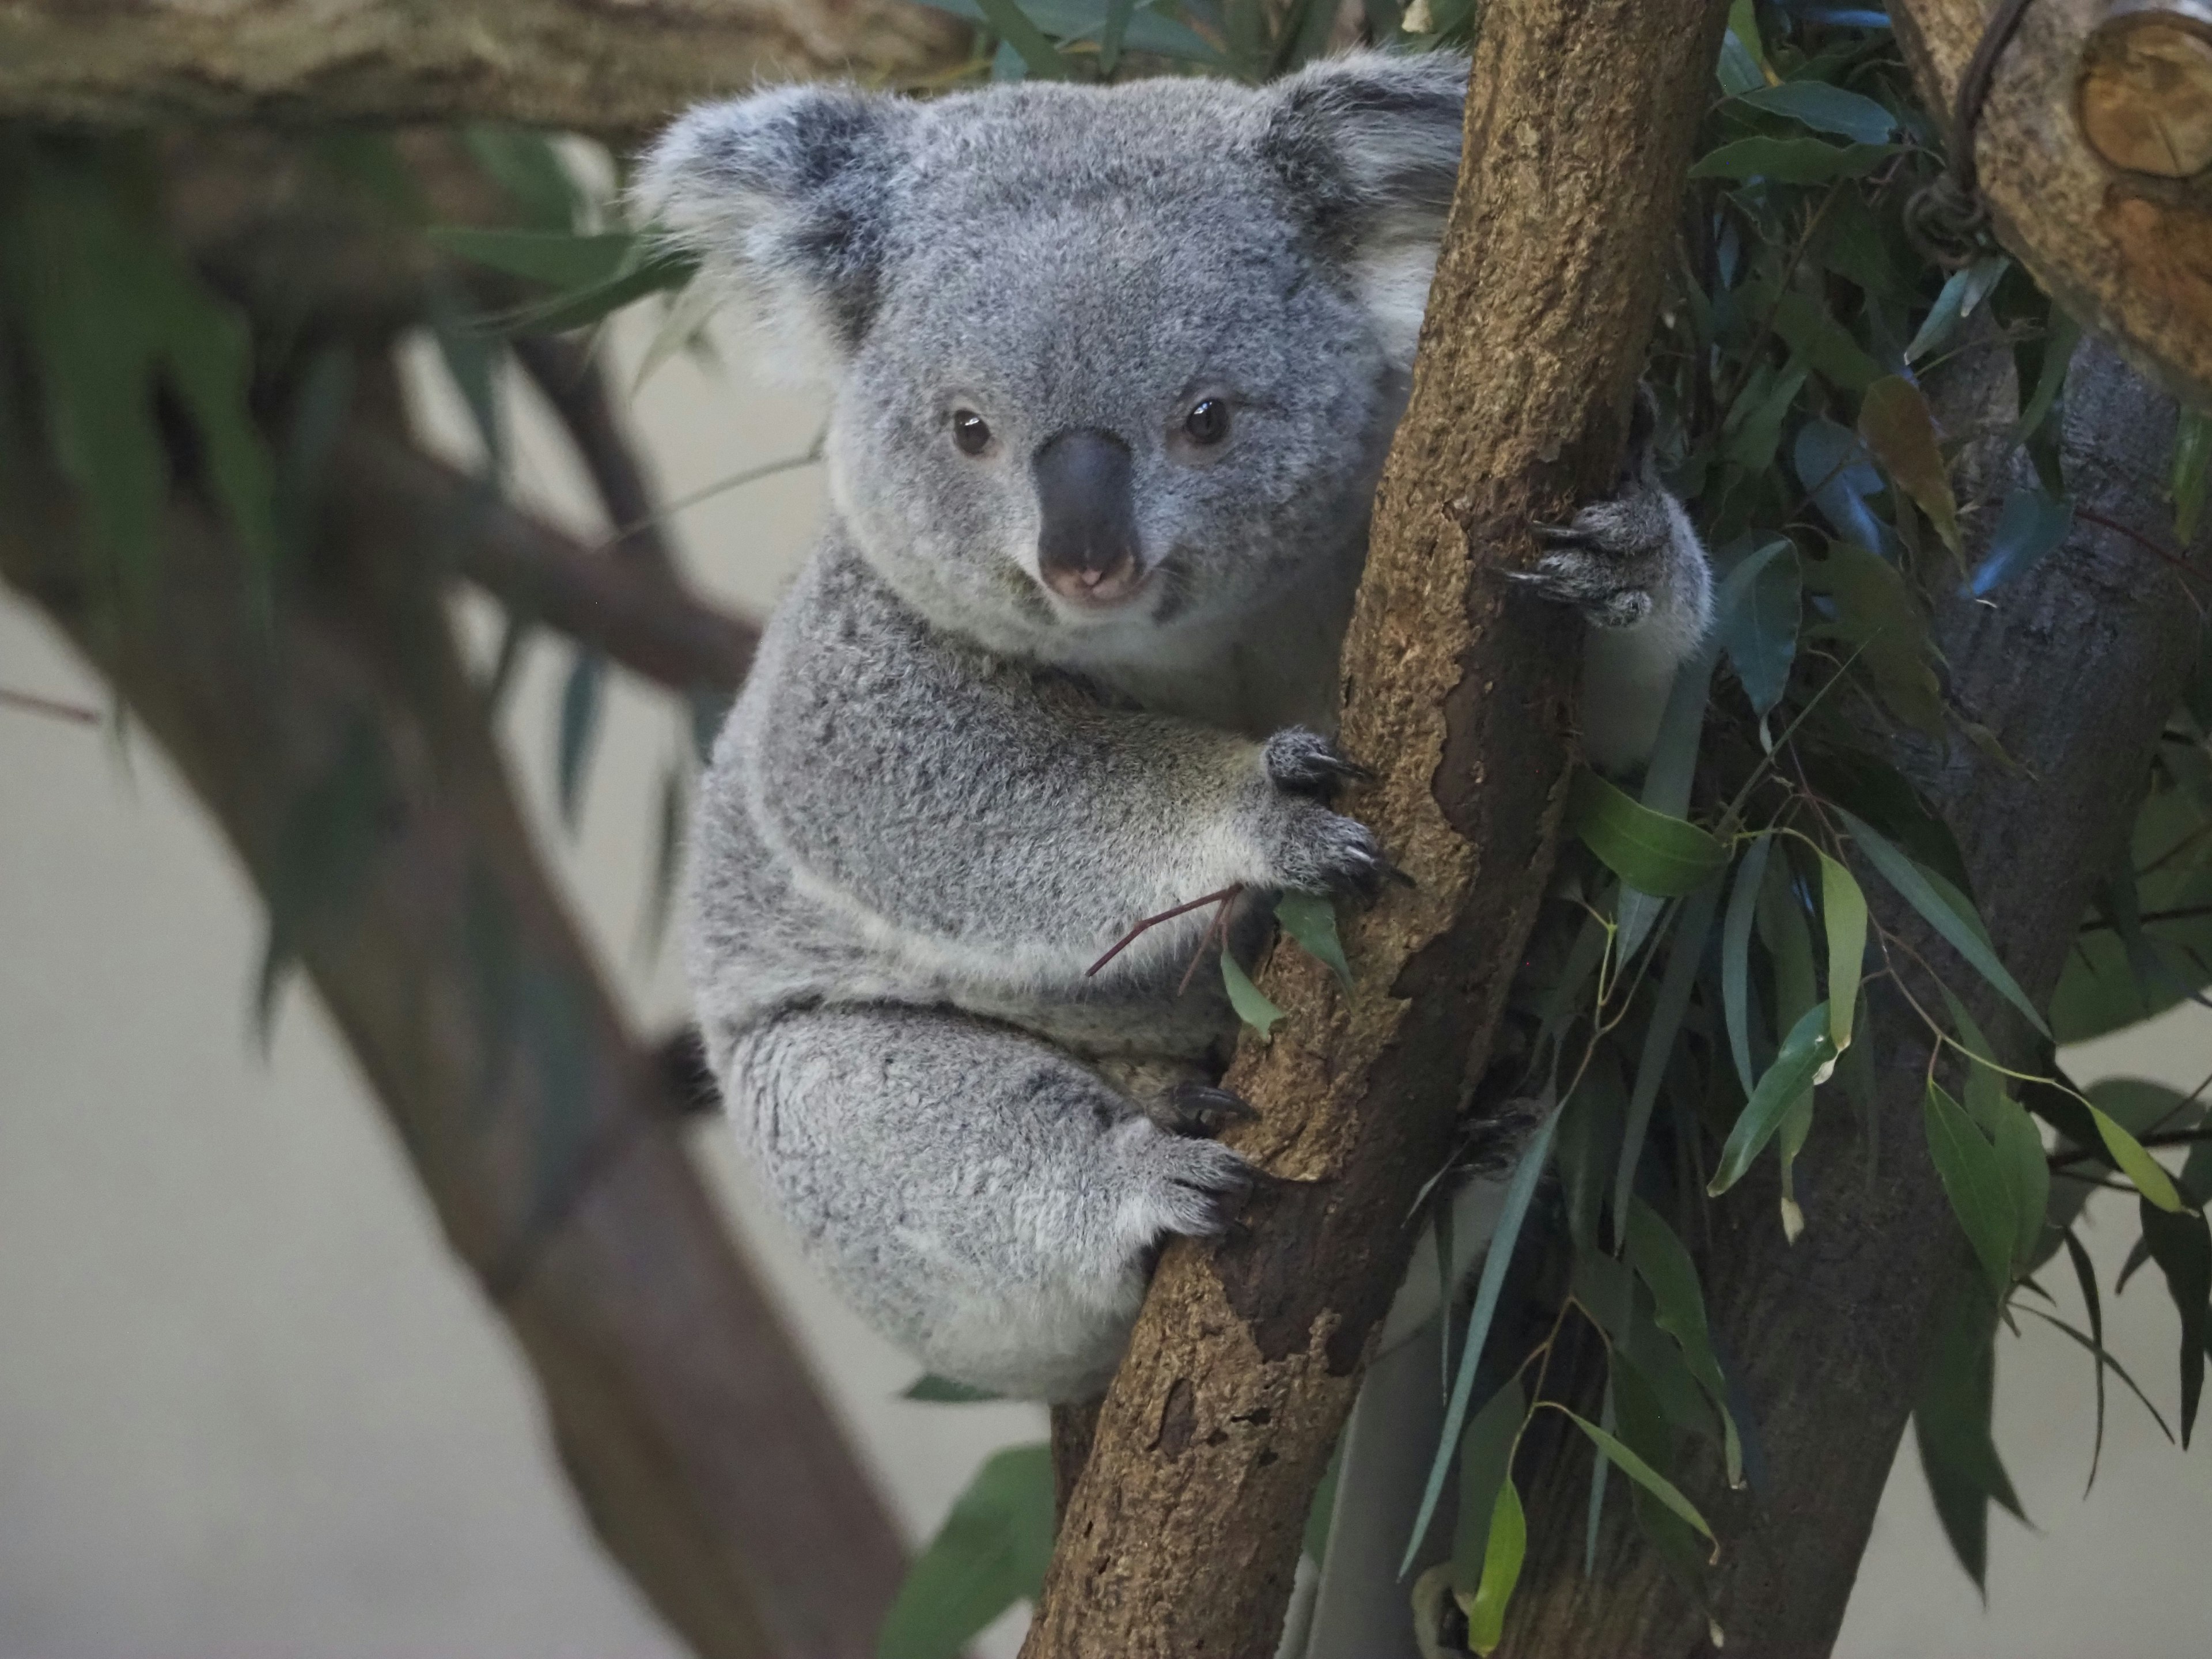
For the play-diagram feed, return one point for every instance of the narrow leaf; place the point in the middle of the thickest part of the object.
(1974, 1181)
(990, 1553)
(1253, 1008)
(1761, 633)
(1826, 108)
(1895, 422)
(2181, 1244)
(1804, 1052)
(1964, 291)
(1736, 956)
(1643, 1474)
(2085, 1275)
(1790, 161)
(2149, 1176)
(1843, 917)
(1012, 25)
(1678, 1310)
(1652, 852)
(558, 258)
(1311, 920)
(1486, 1452)
(1913, 886)
(2192, 469)
(2029, 526)
(581, 699)
(1507, 1543)
(1685, 951)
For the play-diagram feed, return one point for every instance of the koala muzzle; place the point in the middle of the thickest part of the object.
(1087, 549)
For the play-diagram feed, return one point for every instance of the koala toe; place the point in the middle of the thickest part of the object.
(1305, 763)
(1325, 852)
(1200, 1110)
(1611, 591)
(1182, 1185)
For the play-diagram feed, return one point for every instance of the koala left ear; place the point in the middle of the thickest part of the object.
(1368, 144)
(787, 195)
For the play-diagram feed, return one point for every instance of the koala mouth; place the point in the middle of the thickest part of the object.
(1089, 589)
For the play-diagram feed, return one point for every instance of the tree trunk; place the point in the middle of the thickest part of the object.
(586, 65)
(346, 755)
(2128, 253)
(2074, 667)
(1183, 1533)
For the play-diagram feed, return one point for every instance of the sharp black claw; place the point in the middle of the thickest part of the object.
(1206, 1098)
(1393, 874)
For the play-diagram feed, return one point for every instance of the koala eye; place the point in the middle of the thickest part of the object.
(971, 432)
(1208, 421)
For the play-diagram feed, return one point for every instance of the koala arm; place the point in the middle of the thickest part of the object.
(983, 818)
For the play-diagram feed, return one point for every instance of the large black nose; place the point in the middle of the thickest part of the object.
(1087, 549)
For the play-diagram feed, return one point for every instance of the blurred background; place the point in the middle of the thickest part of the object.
(251, 1406)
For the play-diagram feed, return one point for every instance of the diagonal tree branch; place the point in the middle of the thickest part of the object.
(567, 372)
(345, 753)
(586, 65)
(647, 621)
(1181, 1534)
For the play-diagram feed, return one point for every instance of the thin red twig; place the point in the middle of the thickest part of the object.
(1151, 923)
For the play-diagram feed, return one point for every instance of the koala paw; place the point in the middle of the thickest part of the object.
(1303, 762)
(1318, 850)
(1182, 1185)
(1612, 562)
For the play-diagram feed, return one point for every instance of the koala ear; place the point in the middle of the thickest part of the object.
(788, 197)
(1368, 145)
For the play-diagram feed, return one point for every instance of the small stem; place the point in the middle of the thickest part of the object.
(1151, 923)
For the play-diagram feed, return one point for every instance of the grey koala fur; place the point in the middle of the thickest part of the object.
(1036, 686)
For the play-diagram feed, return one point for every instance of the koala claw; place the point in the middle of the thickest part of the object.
(1607, 590)
(1610, 561)
(1306, 763)
(1329, 853)
(1200, 1109)
(1198, 1187)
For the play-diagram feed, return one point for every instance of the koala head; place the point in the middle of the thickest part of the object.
(1106, 362)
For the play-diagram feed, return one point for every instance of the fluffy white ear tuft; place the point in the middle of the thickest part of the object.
(787, 197)
(1368, 144)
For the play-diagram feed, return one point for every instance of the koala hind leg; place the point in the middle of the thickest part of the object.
(983, 1198)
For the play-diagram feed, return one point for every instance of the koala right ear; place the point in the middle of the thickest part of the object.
(1369, 146)
(787, 196)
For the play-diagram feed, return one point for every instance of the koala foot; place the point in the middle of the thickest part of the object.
(1199, 1110)
(1308, 848)
(1183, 1185)
(1613, 562)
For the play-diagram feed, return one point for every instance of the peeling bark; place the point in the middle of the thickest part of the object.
(1181, 1535)
(2127, 253)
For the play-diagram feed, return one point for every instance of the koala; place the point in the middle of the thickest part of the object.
(1113, 373)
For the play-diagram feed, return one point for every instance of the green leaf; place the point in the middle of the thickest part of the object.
(990, 1552)
(1685, 952)
(1254, 1009)
(1790, 161)
(1814, 334)
(1311, 920)
(2106, 1362)
(1965, 290)
(582, 307)
(2029, 526)
(667, 856)
(2192, 469)
(1012, 25)
(2181, 1244)
(1760, 634)
(524, 163)
(1974, 1180)
(1895, 422)
(1679, 1309)
(1735, 955)
(936, 1390)
(1641, 1473)
(1743, 59)
(1667, 857)
(1486, 1453)
(2150, 1179)
(1824, 109)
(1843, 916)
(1914, 885)
(2058, 358)
(1520, 1189)
(558, 258)
(2084, 1276)
(1951, 1422)
(1147, 31)
(1802, 1055)
(1118, 15)
(1503, 1551)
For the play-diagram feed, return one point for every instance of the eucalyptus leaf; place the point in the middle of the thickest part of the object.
(1311, 920)
(1895, 422)
(558, 258)
(1252, 1007)
(1790, 161)
(1962, 295)
(1804, 1052)
(2181, 1244)
(1652, 852)
(1843, 917)
(1735, 955)
(1973, 1179)
(1825, 108)
(2029, 526)
(2191, 471)
(990, 1552)
(1503, 1549)
(1485, 1465)
(1760, 633)
(581, 696)
(1643, 1474)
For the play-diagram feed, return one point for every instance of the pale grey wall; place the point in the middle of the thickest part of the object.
(247, 1406)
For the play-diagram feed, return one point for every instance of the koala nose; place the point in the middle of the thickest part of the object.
(1087, 548)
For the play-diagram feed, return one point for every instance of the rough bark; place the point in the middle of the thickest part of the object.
(1182, 1533)
(2074, 667)
(2128, 253)
(545, 1137)
(607, 66)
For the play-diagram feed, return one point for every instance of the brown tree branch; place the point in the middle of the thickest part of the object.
(586, 65)
(345, 753)
(2127, 253)
(2075, 667)
(568, 374)
(1182, 1532)
(651, 625)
